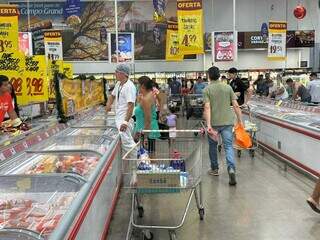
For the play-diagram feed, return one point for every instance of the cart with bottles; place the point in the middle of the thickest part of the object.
(171, 172)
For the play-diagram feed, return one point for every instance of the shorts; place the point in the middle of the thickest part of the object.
(172, 134)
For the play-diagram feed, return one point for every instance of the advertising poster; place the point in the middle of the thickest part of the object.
(172, 43)
(13, 65)
(277, 41)
(224, 47)
(25, 43)
(36, 79)
(53, 45)
(125, 48)
(8, 28)
(190, 26)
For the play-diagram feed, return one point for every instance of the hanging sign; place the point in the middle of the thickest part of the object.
(224, 46)
(172, 43)
(53, 45)
(190, 26)
(125, 48)
(277, 41)
(25, 43)
(159, 10)
(36, 79)
(8, 28)
(12, 64)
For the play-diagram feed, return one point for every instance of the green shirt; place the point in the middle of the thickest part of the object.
(220, 97)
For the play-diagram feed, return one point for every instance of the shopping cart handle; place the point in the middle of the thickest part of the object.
(167, 131)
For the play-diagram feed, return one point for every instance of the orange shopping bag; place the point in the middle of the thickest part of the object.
(242, 139)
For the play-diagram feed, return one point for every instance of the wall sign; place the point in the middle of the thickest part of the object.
(277, 41)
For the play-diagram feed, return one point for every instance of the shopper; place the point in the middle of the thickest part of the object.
(172, 124)
(313, 201)
(260, 85)
(314, 88)
(298, 91)
(220, 120)
(146, 114)
(278, 92)
(238, 86)
(199, 86)
(175, 87)
(6, 105)
(124, 97)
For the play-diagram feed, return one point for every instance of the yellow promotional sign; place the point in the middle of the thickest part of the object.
(190, 26)
(277, 41)
(12, 65)
(71, 96)
(172, 43)
(53, 45)
(59, 64)
(36, 79)
(9, 28)
(68, 70)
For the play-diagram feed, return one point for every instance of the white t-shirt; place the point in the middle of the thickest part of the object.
(123, 95)
(314, 90)
(274, 88)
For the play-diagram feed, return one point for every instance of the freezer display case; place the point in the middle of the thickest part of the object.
(72, 143)
(292, 134)
(107, 131)
(31, 207)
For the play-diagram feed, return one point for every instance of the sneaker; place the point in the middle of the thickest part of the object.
(214, 172)
(232, 177)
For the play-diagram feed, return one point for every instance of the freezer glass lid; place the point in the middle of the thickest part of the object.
(35, 205)
(77, 163)
(99, 144)
(97, 123)
(109, 132)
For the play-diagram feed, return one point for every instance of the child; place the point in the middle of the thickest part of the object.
(172, 123)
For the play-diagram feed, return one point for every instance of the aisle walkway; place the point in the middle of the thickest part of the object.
(267, 204)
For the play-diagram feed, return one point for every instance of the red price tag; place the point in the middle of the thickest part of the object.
(34, 86)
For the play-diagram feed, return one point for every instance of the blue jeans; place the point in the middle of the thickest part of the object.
(227, 139)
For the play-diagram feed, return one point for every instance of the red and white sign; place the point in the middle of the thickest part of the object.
(25, 43)
(224, 46)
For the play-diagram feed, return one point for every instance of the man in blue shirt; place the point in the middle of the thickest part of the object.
(199, 86)
(175, 87)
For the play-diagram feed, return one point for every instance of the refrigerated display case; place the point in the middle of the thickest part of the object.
(288, 132)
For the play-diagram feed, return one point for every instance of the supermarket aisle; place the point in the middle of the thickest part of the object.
(267, 204)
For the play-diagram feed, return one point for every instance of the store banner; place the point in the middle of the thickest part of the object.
(68, 70)
(12, 65)
(224, 46)
(53, 45)
(172, 43)
(277, 41)
(125, 48)
(8, 28)
(25, 43)
(36, 79)
(190, 26)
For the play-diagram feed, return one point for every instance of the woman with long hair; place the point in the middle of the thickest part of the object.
(146, 113)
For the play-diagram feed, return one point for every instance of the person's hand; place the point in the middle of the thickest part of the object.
(145, 142)
(108, 108)
(123, 127)
(238, 94)
(213, 134)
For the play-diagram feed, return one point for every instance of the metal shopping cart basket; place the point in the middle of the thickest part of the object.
(174, 102)
(194, 105)
(163, 175)
(252, 126)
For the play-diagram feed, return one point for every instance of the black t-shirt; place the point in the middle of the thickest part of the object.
(239, 86)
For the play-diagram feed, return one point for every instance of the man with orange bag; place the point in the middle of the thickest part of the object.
(220, 119)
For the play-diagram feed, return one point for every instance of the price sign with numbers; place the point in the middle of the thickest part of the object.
(9, 28)
(190, 26)
(172, 43)
(36, 79)
(277, 41)
(224, 46)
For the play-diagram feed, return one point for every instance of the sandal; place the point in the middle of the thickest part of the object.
(313, 205)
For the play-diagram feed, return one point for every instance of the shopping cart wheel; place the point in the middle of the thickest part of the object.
(252, 153)
(173, 235)
(201, 213)
(239, 153)
(141, 212)
(147, 235)
(219, 148)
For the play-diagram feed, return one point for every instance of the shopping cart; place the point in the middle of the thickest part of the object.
(174, 102)
(166, 173)
(252, 127)
(194, 105)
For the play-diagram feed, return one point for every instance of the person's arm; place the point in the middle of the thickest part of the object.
(12, 115)
(207, 115)
(109, 103)
(295, 92)
(237, 111)
(280, 91)
(131, 99)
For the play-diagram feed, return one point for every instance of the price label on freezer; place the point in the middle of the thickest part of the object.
(2, 157)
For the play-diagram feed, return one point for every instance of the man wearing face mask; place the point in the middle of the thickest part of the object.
(238, 86)
(124, 96)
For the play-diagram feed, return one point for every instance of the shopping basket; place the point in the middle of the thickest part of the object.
(175, 168)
